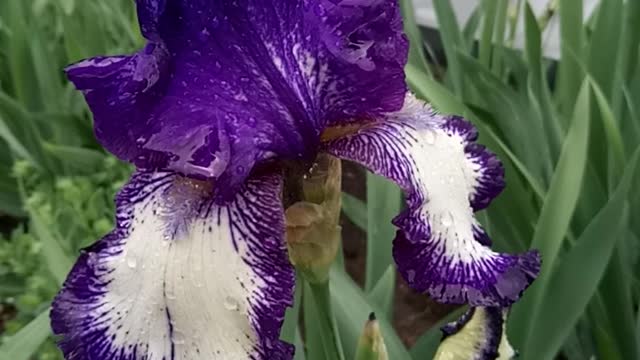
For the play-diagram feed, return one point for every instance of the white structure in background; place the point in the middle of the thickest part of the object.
(426, 16)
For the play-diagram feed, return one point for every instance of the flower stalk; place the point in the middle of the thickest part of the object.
(313, 233)
(313, 241)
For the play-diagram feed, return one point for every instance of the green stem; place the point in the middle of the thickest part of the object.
(321, 296)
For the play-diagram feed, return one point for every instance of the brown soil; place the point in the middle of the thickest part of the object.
(413, 313)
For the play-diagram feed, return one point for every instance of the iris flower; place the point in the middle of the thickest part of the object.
(225, 98)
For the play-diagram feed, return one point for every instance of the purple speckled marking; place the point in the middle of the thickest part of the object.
(222, 85)
(491, 180)
(452, 264)
(89, 325)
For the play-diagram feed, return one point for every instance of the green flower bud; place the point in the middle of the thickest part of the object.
(313, 240)
(313, 233)
(371, 345)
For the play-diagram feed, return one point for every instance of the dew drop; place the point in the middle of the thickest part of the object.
(178, 337)
(231, 304)
(411, 275)
(446, 219)
(93, 257)
(132, 262)
(430, 137)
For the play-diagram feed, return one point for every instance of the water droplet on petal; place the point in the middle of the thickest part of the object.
(231, 304)
(178, 337)
(132, 262)
(430, 137)
(411, 275)
(446, 219)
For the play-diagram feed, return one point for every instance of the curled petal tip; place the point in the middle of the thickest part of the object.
(441, 247)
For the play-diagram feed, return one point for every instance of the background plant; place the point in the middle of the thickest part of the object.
(567, 131)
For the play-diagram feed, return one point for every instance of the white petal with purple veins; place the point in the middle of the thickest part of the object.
(181, 277)
(441, 248)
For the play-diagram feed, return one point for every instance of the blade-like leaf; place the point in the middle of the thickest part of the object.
(57, 259)
(555, 215)
(416, 50)
(25, 343)
(384, 201)
(571, 39)
(437, 94)
(355, 209)
(352, 309)
(79, 160)
(576, 277)
(452, 40)
(383, 292)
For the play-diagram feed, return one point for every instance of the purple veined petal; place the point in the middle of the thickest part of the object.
(479, 334)
(181, 277)
(222, 85)
(440, 247)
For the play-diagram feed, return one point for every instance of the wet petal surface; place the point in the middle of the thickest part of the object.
(181, 277)
(440, 247)
(224, 84)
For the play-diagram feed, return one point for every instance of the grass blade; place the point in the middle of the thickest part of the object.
(577, 276)
(604, 42)
(57, 259)
(489, 9)
(452, 40)
(355, 209)
(437, 94)
(416, 49)
(384, 201)
(612, 133)
(24, 344)
(570, 73)
(352, 309)
(555, 216)
(383, 292)
(14, 144)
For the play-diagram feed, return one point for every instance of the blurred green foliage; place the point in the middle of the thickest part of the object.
(567, 131)
(66, 213)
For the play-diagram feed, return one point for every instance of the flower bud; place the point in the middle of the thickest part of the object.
(312, 239)
(313, 233)
(371, 345)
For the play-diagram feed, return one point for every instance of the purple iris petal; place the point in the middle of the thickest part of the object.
(181, 277)
(222, 85)
(440, 247)
(196, 267)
